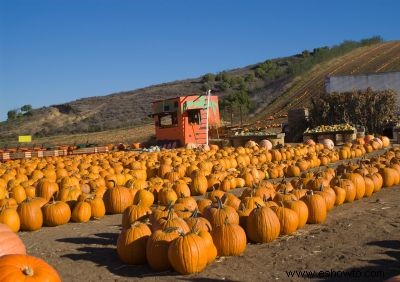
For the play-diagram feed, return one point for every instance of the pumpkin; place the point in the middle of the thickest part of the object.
(167, 196)
(328, 144)
(231, 200)
(157, 248)
(348, 186)
(309, 142)
(56, 213)
(21, 267)
(300, 208)
(81, 212)
(181, 189)
(388, 176)
(46, 189)
(10, 243)
(144, 197)
(171, 220)
(131, 243)
(262, 225)
(385, 141)
(358, 182)
(329, 196)
(250, 144)
(18, 193)
(188, 254)
(265, 144)
(378, 181)
(369, 186)
(30, 215)
(97, 207)
(229, 239)
(243, 213)
(340, 195)
(134, 213)
(10, 217)
(218, 213)
(198, 222)
(199, 183)
(316, 205)
(210, 247)
(288, 219)
(203, 204)
(117, 199)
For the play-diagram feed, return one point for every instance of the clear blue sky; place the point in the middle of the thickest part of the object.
(56, 51)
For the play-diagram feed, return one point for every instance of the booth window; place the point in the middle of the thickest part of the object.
(168, 120)
(194, 116)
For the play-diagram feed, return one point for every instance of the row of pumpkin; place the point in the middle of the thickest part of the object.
(177, 236)
(55, 190)
(188, 240)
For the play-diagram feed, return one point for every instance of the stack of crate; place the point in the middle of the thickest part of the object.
(298, 121)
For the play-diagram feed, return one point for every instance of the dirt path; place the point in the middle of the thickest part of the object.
(363, 236)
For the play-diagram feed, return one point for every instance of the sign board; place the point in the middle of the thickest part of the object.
(25, 138)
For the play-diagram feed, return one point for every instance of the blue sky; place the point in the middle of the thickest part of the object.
(57, 51)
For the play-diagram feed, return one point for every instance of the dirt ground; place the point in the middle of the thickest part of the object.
(362, 238)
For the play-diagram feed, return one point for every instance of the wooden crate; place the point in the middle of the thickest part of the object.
(90, 150)
(339, 138)
(4, 156)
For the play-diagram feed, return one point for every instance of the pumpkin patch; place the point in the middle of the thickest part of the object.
(182, 208)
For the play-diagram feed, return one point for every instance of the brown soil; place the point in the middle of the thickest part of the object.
(363, 236)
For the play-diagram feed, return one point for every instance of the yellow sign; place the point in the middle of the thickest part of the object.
(25, 138)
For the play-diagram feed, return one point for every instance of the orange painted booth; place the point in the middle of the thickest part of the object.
(183, 119)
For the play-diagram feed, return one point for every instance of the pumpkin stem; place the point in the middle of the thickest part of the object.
(226, 222)
(220, 205)
(28, 271)
(195, 213)
(170, 215)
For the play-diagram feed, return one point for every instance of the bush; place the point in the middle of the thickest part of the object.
(209, 77)
(371, 109)
(12, 114)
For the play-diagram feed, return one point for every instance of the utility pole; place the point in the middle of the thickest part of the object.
(208, 106)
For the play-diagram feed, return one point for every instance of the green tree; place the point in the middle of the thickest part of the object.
(224, 86)
(209, 77)
(222, 76)
(249, 77)
(12, 114)
(26, 108)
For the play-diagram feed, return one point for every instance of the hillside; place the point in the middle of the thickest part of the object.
(273, 86)
(381, 57)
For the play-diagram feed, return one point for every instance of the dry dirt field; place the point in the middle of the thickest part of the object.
(361, 239)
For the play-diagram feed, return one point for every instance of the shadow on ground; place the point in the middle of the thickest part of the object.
(376, 270)
(103, 253)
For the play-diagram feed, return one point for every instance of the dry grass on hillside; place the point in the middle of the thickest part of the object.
(127, 136)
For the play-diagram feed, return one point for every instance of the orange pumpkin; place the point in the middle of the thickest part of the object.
(19, 267)
(10, 243)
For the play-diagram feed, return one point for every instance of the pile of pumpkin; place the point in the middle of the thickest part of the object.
(55, 190)
(16, 265)
(187, 235)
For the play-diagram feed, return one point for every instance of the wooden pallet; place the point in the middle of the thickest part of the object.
(90, 150)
